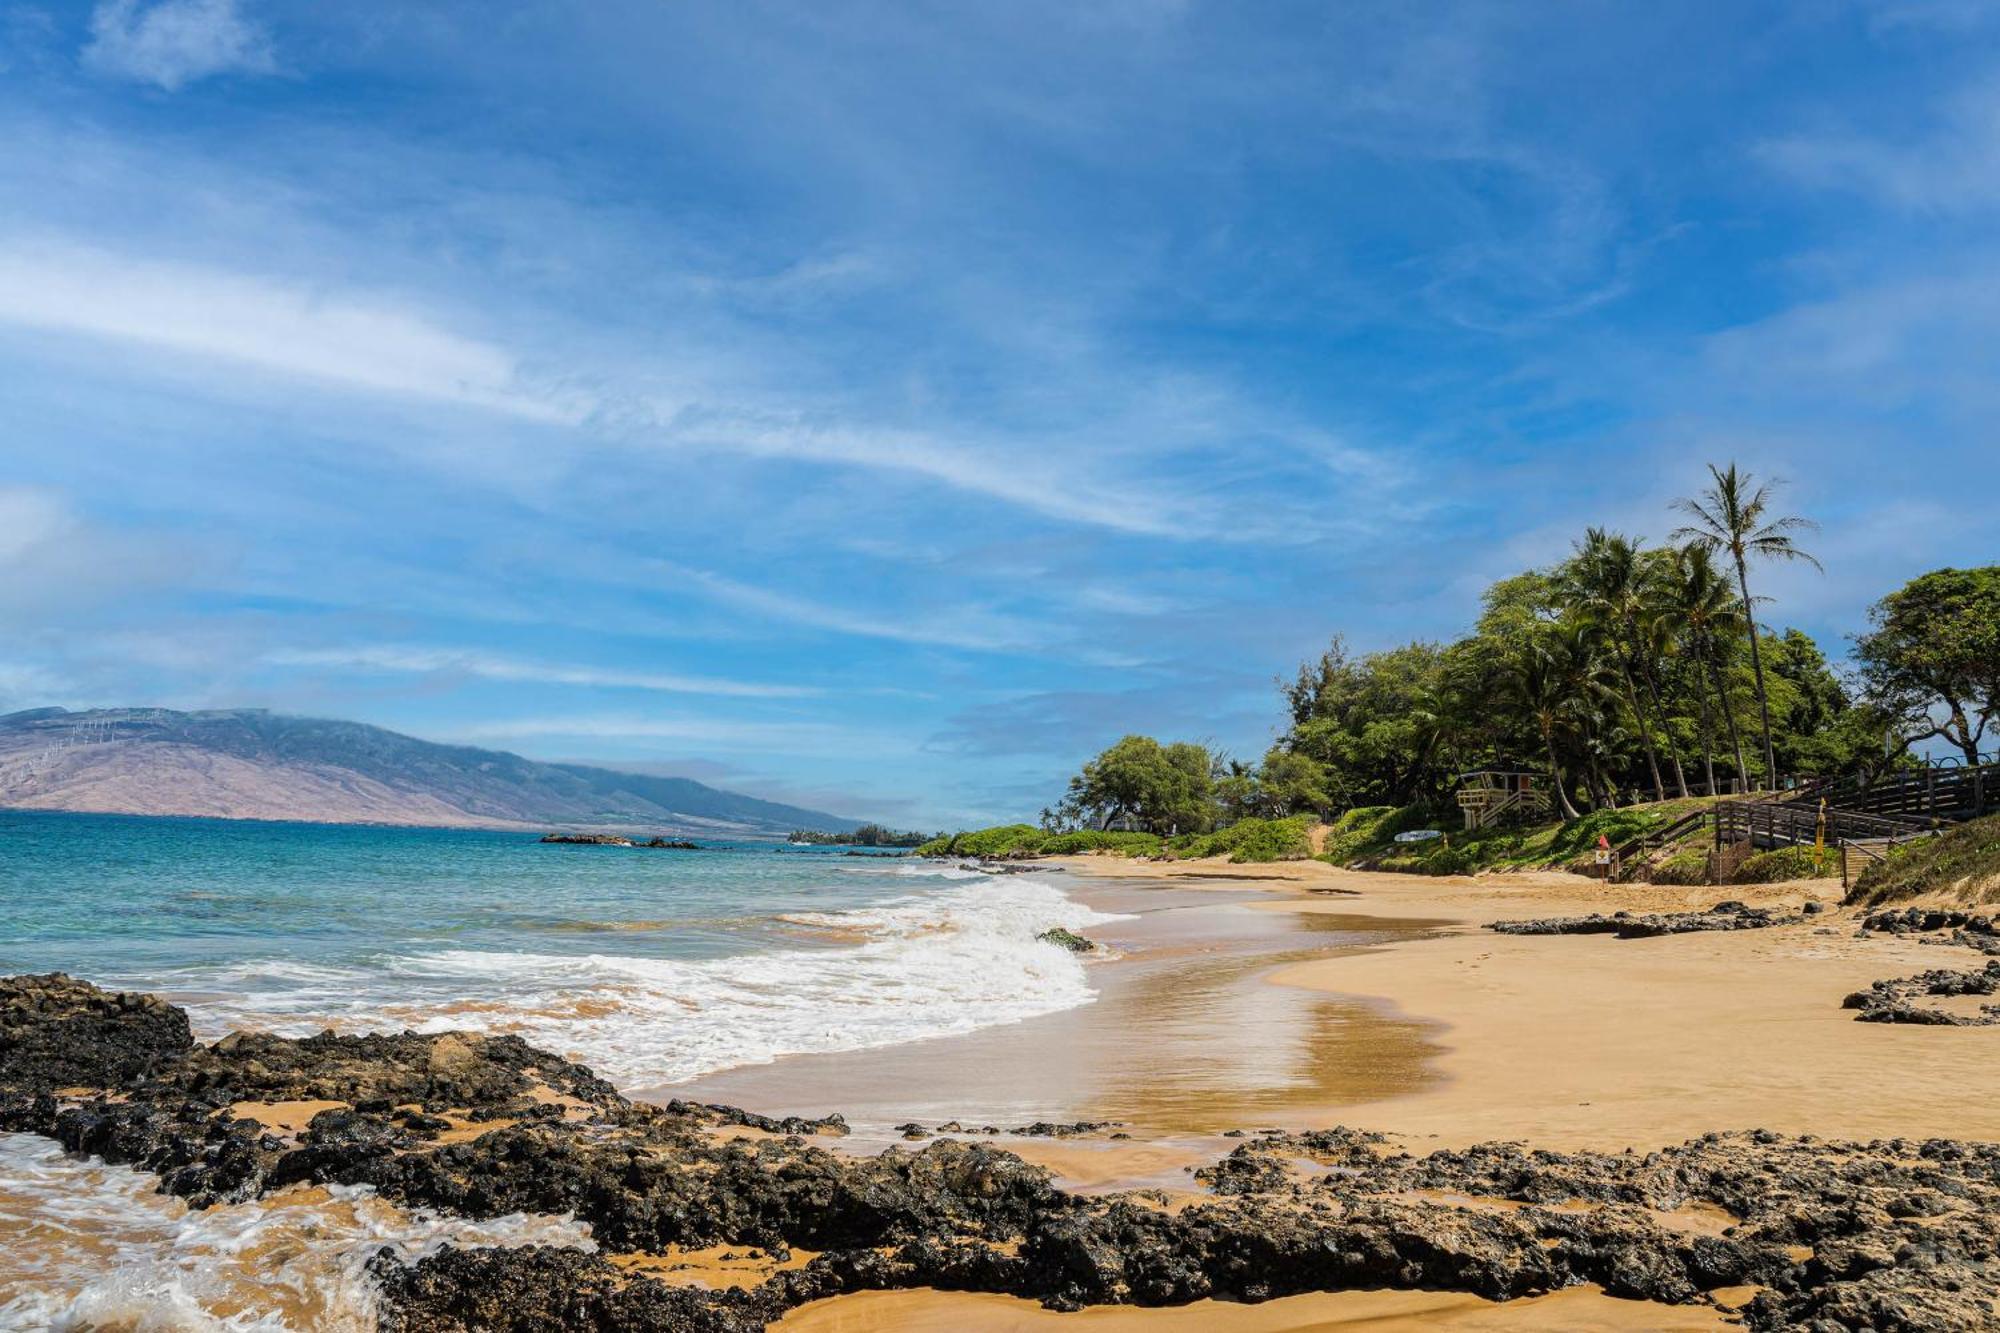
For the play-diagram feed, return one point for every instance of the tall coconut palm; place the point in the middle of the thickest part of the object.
(1733, 515)
(1703, 608)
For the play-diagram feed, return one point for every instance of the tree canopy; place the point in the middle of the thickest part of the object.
(1933, 656)
(1623, 672)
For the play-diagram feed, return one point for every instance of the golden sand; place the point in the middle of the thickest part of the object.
(1571, 1311)
(712, 1268)
(283, 1117)
(1563, 1041)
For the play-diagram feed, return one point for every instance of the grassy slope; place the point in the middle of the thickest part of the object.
(1366, 837)
(1961, 864)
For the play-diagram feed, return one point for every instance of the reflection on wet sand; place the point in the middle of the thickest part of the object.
(1186, 1036)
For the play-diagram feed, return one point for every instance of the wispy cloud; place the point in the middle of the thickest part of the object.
(951, 627)
(278, 326)
(172, 43)
(488, 666)
(729, 735)
(1949, 166)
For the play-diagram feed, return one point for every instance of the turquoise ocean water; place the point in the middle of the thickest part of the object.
(651, 965)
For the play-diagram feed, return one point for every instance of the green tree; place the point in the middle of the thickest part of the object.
(1704, 609)
(1166, 788)
(1376, 724)
(1606, 589)
(1933, 656)
(1289, 783)
(1733, 515)
(1556, 679)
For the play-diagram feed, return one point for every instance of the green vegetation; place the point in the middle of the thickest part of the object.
(1785, 863)
(1733, 516)
(1251, 840)
(1166, 789)
(1068, 939)
(1687, 866)
(868, 835)
(1245, 841)
(1633, 684)
(1366, 829)
(1962, 863)
(1099, 840)
(1366, 838)
(1001, 841)
(1934, 655)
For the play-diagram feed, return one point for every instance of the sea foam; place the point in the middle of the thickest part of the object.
(947, 960)
(94, 1246)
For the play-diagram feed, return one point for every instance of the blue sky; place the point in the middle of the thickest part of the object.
(884, 406)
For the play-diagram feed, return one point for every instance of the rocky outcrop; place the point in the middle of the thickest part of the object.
(588, 839)
(1067, 939)
(1630, 926)
(1894, 1235)
(1898, 1000)
(57, 1032)
(1939, 925)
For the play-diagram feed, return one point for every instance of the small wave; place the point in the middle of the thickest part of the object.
(602, 927)
(926, 965)
(89, 1246)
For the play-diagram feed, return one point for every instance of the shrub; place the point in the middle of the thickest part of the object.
(1250, 840)
(1685, 867)
(1095, 840)
(1615, 826)
(1784, 863)
(1368, 827)
(1002, 840)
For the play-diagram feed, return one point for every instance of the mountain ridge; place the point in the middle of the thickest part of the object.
(250, 763)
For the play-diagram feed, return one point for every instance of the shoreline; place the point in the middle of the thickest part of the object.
(1440, 1032)
(1593, 1042)
(1561, 1054)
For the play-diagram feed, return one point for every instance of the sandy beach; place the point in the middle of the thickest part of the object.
(1302, 996)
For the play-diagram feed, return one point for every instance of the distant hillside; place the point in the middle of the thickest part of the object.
(251, 764)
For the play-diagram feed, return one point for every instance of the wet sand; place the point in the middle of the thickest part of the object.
(1410, 1019)
(1578, 1309)
(1187, 1038)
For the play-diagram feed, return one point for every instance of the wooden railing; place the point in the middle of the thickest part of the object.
(1658, 837)
(1795, 823)
(1857, 852)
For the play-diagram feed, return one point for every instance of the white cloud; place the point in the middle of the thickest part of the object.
(288, 328)
(172, 43)
(983, 631)
(393, 658)
(784, 737)
(54, 562)
(1070, 491)
(1954, 168)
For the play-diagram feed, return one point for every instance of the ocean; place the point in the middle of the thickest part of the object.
(651, 966)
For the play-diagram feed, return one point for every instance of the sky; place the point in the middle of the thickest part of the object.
(884, 406)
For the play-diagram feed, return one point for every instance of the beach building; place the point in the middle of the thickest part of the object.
(1493, 795)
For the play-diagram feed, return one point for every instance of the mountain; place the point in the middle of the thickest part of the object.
(247, 763)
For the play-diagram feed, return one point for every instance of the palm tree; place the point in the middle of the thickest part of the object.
(1558, 681)
(1702, 606)
(1731, 515)
(1605, 588)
